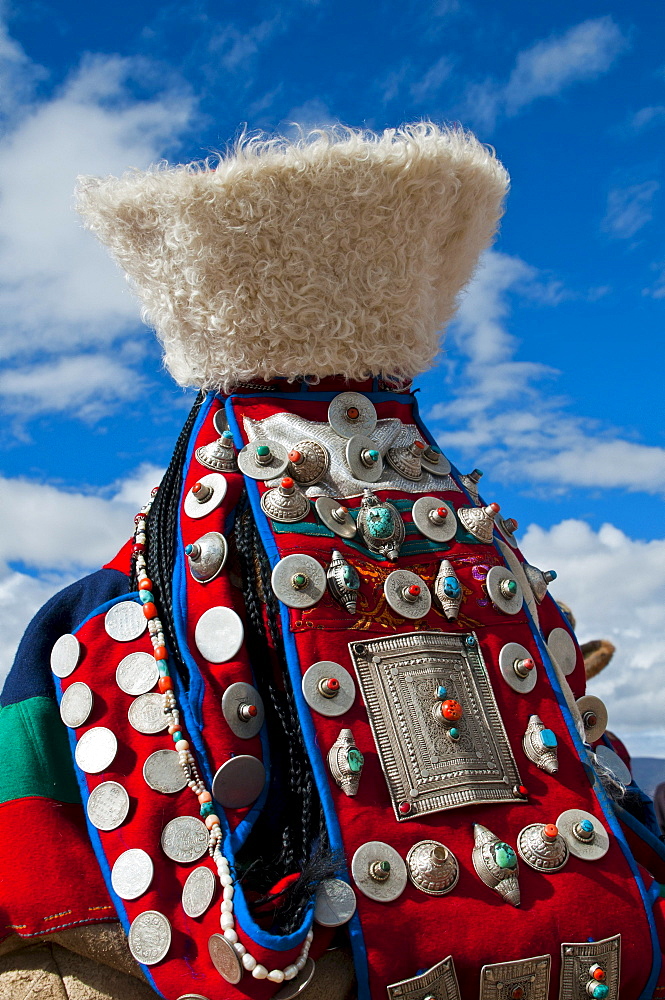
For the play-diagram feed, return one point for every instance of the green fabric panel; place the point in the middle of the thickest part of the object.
(41, 761)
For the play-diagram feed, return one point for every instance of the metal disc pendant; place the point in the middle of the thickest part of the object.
(435, 461)
(243, 709)
(125, 621)
(219, 634)
(335, 903)
(542, 848)
(146, 714)
(285, 503)
(205, 495)
(405, 460)
(518, 667)
(299, 581)
(225, 958)
(562, 649)
(298, 984)
(65, 655)
(585, 835)
(407, 594)
(198, 891)
(432, 868)
(76, 705)
(108, 805)
(184, 839)
(612, 762)
(363, 459)
(132, 873)
(336, 517)
(430, 522)
(239, 781)
(594, 717)
(328, 688)
(311, 464)
(378, 871)
(263, 459)
(96, 750)
(149, 937)
(137, 673)
(504, 590)
(163, 773)
(350, 413)
(206, 557)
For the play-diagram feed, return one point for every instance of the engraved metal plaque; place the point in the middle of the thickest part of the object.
(440, 982)
(578, 959)
(527, 978)
(425, 770)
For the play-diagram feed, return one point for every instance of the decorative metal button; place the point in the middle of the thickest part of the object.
(432, 867)
(504, 591)
(538, 580)
(589, 965)
(285, 503)
(523, 979)
(336, 517)
(508, 526)
(562, 650)
(96, 750)
(379, 871)
(206, 556)
(218, 634)
(243, 709)
(137, 673)
(380, 526)
(263, 459)
(125, 621)
(346, 763)
(350, 413)
(219, 455)
(239, 781)
(594, 717)
(448, 590)
(65, 655)
(343, 582)
(611, 762)
(540, 745)
(518, 667)
(542, 847)
(479, 521)
(308, 462)
(437, 983)
(205, 495)
(407, 460)
(76, 705)
(364, 459)
(470, 482)
(299, 581)
(496, 864)
(407, 594)
(335, 903)
(434, 518)
(225, 958)
(328, 688)
(433, 460)
(585, 835)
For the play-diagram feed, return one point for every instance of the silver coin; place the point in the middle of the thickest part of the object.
(218, 634)
(149, 937)
(76, 705)
(285, 576)
(350, 413)
(132, 873)
(146, 714)
(162, 771)
(383, 886)
(214, 489)
(239, 781)
(65, 655)
(562, 649)
(185, 839)
(125, 621)
(137, 673)
(316, 694)
(108, 805)
(335, 903)
(198, 891)
(225, 958)
(96, 750)
(298, 984)
(192, 996)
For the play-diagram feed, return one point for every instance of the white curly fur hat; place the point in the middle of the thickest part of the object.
(342, 253)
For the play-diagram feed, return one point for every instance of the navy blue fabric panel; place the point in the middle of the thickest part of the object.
(31, 675)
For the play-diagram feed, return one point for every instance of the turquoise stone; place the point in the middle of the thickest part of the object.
(548, 739)
(351, 578)
(373, 454)
(380, 522)
(586, 826)
(263, 450)
(146, 596)
(177, 736)
(451, 587)
(188, 550)
(470, 640)
(454, 733)
(227, 435)
(163, 668)
(511, 586)
(600, 991)
(441, 692)
(207, 808)
(355, 760)
(505, 856)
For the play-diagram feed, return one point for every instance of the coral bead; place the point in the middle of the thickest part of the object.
(165, 684)
(451, 710)
(145, 584)
(160, 653)
(211, 820)
(205, 797)
(149, 610)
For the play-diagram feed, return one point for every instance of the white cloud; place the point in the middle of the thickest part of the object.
(647, 117)
(657, 290)
(430, 83)
(312, 114)
(629, 209)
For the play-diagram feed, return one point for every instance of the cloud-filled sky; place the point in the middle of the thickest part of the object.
(550, 378)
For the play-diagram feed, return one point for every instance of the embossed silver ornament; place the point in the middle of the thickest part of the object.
(504, 590)
(125, 621)
(328, 688)
(294, 987)
(206, 557)
(335, 903)
(579, 959)
(379, 871)
(433, 460)
(540, 745)
(364, 459)
(184, 839)
(162, 772)
(149, 937)
(146, 714)
(380, 526)
(406, 460)
(137, 673)
(219, 455)
(308, 462)
(527, 978)
(108, 805)
(243, 710)
(538, 580)
(448, 590)
(343, 582)
(407, 594)
(285, 503)
(518, 667)
(225, 958)
(479, 521)
(218, 634)
(594, 716)
(470, 481)
(351, 413)
(437, 983)
(432, 868)
(584, 834)
(434, 518)
(132, 873)
(346, 763)
(205, 495)
(198, 891)
(299, 581)
(496, 864)
(336, 517)
(263, 459)
(542, 847)
(96, 750)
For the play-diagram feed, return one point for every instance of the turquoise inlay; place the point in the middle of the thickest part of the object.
(380, 522)
(451, 587)
(351, 578)
(505, 856)
(549, 741)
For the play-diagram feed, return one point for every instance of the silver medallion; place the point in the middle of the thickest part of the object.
(205, 495)
(308, 462)
(285, 503)
(132, 874)
(364, 459)
(328, 688)
(504, 590)
(611, 761)
(496, 864)
(343, 582)
(379, 871)
(65, 655)
(206, 557)
(380, 526)
(219, 634)
(335, 903)
(146, 714)
(345, 762)
(108, 805)
(434, 518)
(542, 847)
(406, 460)
(527, 978)
(149, 937)
(125, 621)
(219, 455)
(298, 984)
(239, 781)
(437, 983)
(299, 581)
(335, 516)
(263, 459)
(594, 717)
(350, 413)
(540, 745)
(76, 705)
(96, 750)
(518, 667)
(137, 673)
(198, 891)
(538, 580)
(432, 868)
(163, 773)
(448, 590)
(562, 649)
(579, 959)
(433, 460)
(185, 839)
(585, 835)
(407, 594)
(225, 958)
(479, 521)
(242, 707)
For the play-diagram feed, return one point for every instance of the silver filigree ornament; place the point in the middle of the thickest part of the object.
(542, 847)
(538, 579)
(346, 763)
(448, 590)
(406, 460)
(540, 745)
(479, 521)
(308, 462)
(219, 455)
(343, 582)
(496, 864)
(285, 503)
(432, 868)
(380, 526)
(206, 556)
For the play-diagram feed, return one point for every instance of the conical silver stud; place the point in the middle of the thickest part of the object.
(542, 847)
(219, 455)
(206, 556)
(432, 868)
(470, 481)
(308, 462)
(479, 521)
(448, 590)
(496, 864)
(346, 763)
(407, 460)
(540, 745)
(343, 582)
(538, 579)
(285, 503)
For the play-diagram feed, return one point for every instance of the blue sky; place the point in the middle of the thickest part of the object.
(550, 379)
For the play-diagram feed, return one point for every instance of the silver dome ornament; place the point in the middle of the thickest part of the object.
(378, 871)
(218, 455)
(243, 710)
(206, 556)
(594, 717)
(346, 763)
(328, 688)
(263, 459)
(308, 462)
(540, 745)
(434, 461)
(343, 582)
(432, 868)
(285, 503)
(448, 590)
(518, 668)
(299, 581)
(496, 864)
(585, 835)
(479, 521)
(541, 847)
(434, 518)
(364, 459)
(205, 495)
(503, 590)
(350, 413)
(380, 526)
(470, 481)
(335, 516)
(508, 526)
(407, 594)
(538, 580)
(406, 460)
